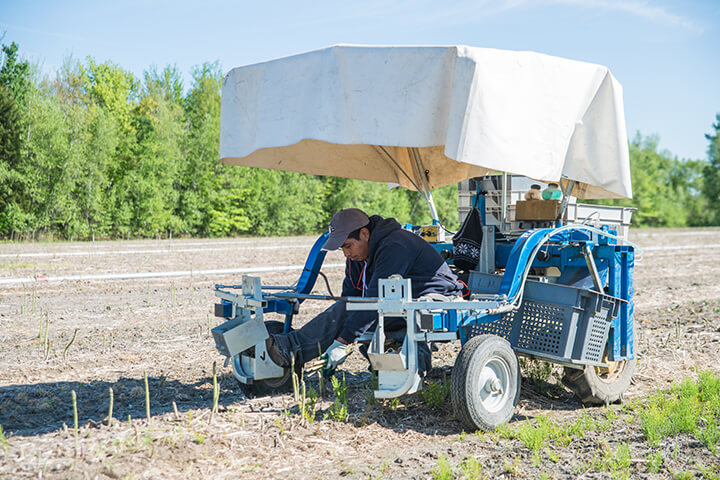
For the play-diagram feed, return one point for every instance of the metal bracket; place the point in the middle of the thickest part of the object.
(587, 252)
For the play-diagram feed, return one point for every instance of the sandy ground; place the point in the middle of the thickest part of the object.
(91, 335)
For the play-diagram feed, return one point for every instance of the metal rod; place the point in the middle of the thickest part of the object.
(265, 287)
(399, 167)
(422, 173)
(504, 203)
(309, 296)
(590, 261)
(566, 198)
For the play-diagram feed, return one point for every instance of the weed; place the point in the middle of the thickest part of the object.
(307, 403)
(616, 463)
(553, 456)
(683, 475)
(279, 425)
(435, 394)
(250, 468)
(348, 470)
(443, 470)
(512, 468)
(691, 407)
(710, 435)
(339, 409)
(533, 436)
(3, 441)
(462, 436)
(472, 469)
(653, 462)
(709, 473)
(198, 438)
(536, 370)
(610, 416)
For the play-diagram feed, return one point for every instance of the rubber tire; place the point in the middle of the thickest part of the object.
(270, 386)
(592, 389)
(465, 387)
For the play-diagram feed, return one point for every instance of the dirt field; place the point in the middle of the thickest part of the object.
(89, 335)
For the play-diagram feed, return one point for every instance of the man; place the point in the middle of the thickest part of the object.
(376, 248)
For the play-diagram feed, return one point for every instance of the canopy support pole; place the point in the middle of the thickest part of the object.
(567, 190)
(422, 174)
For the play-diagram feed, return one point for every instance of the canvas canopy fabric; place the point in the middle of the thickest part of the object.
(425, 117)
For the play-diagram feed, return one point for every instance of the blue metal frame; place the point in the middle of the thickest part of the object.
(620, 284)
(615, 264)
(304, 285)
(518, 259)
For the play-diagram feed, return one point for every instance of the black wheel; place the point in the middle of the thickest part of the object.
(602, 385)
(485, 382)
(270, 385)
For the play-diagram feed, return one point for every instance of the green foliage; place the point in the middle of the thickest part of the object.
(435, 393)
(97, 152)
(15, 75)
(443, 470)
(711, 176)
(653, 462)
(538, 371)
(616, 462)
(667, 192)
(691, 407)
(339, 408)
(3, 441)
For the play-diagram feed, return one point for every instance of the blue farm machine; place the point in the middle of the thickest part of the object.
(553, 278)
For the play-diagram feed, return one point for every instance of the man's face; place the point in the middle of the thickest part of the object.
(357, 250)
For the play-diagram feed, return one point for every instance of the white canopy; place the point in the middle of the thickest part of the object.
(425, 117)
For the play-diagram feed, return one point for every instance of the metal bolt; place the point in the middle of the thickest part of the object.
(494, 386)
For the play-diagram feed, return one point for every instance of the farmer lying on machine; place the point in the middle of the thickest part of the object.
(376, 248)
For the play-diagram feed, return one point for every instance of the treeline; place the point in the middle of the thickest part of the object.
(97, 153)
(673, 193)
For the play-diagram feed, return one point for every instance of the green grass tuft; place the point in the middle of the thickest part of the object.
(443, 470)
(691, 407)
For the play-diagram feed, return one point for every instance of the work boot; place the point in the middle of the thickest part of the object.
(275, 354)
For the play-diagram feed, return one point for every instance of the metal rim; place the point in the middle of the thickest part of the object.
(494, 384)
(612, 372)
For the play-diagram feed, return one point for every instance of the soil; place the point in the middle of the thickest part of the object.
(90, 336)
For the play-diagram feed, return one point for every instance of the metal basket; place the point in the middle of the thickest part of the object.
(557, 323)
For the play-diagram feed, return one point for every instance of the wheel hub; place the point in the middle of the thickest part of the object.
(494, 382)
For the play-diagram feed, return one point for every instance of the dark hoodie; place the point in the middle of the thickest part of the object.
(394, 251)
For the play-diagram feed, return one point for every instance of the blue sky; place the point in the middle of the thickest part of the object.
(666, 54)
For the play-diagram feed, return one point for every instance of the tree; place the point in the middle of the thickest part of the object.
(661, 186)
(15, 87)
(711, 176)
(15, 75)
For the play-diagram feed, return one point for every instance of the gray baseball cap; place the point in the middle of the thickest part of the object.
(342, 224)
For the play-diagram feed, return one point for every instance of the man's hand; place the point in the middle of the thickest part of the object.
(336, 354)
